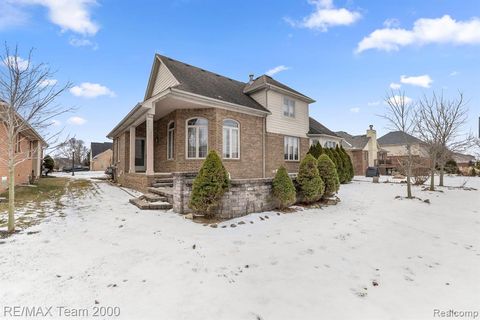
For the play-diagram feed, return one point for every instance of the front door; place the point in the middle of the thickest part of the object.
(140, 154)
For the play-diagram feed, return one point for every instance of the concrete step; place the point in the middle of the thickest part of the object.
(166, 192)
(163, 180)
(152, 197)
(145, 205)
(162, 184)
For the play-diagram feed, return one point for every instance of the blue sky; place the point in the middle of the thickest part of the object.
(344, 54)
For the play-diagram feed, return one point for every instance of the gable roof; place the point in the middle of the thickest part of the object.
(209, 84)
(318, 128)
(264, 80)
(98, 147)
(397, 138)
(356, 142)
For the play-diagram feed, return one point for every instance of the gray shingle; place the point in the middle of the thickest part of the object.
(98, 147)
(318, 128)
(397, 138)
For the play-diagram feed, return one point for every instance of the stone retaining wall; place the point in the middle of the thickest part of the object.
(244, 196)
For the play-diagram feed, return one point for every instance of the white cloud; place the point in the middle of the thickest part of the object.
(423, 81)
(12, 60)
(395, 86)
(454, 73)
(391, 23)
(11, 15)
(78, 121)
(373, 103)
(355, 110)
(276, 70)
(91, 90)
(82, 42)
(398, 99)
(69, 15)
(425, 31)
(56, 123)
(48, 82)
(326, 16)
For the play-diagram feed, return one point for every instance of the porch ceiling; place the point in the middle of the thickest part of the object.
(171, 103)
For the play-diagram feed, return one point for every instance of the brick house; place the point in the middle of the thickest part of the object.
(255, 127)
(101, 154)
(364, 150)
(28, 150)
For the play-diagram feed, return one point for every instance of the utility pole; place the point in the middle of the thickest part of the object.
(73, 163)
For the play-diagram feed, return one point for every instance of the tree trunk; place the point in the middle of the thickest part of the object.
(442, 171)
(11, 199)
(432, 174)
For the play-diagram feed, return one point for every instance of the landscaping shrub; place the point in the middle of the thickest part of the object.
(310, 184)
(451, 167)
(472, 172)
(283, 189)
(209, 186)
(328, 173)
(348, 160)
(48, 164)
(316, 150)
(342, 166)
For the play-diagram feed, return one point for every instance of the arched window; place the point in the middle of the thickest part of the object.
(231, 139)
(171, 140)
(197, 138)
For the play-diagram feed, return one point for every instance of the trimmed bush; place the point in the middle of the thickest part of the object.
(48, 164)
(316, 150)
(209, 186)
(283, 189)
(310, 184)
(350, 171)
(328, 173)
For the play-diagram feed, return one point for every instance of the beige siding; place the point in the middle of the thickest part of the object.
(278, 123)
(401, 150)
(163, 80)
(260, 97)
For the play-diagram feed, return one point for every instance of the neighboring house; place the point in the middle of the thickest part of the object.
(101, 154)
(464, 161)
(364, 150)
(61, 163)
(318, 133)
(28, 150)
(395, 143)
(255, 127)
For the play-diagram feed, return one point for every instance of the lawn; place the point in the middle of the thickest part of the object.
(372, 256)
(35, 202)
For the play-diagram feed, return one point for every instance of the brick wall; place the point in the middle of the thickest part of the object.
(359, 161)
(23, 170)
(244, 196)
(136, 181)
(275, 154)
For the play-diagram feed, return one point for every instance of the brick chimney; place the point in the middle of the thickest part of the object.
(372, 146)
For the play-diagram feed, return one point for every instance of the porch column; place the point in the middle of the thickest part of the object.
(149, 141)
(131, 156)
(39, 160)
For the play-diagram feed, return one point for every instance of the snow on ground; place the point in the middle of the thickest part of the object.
(81, 174)
(313, 264)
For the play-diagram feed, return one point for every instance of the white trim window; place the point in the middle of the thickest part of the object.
(231, 139)
(171, 140)
(291, 148)
(330, 144)
(197, 138)
(288, 107)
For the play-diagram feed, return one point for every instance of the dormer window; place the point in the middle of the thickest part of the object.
(288, 107)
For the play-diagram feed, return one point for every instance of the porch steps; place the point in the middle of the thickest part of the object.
(159, 196)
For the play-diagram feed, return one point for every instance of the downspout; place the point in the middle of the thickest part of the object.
(264, 129)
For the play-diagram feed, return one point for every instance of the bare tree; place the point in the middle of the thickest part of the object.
(400, 117)
(73, 146)
(428, 128)
(452, 116)
(28, 94)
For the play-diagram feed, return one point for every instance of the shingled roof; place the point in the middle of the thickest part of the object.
(98, 147)
(397, 138)
(356, 142)
(318, 128)
(264, 80)
(209, 84)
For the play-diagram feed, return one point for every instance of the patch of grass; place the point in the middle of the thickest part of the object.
(34, 203)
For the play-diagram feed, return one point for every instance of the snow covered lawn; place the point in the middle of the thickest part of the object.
(370, 257)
